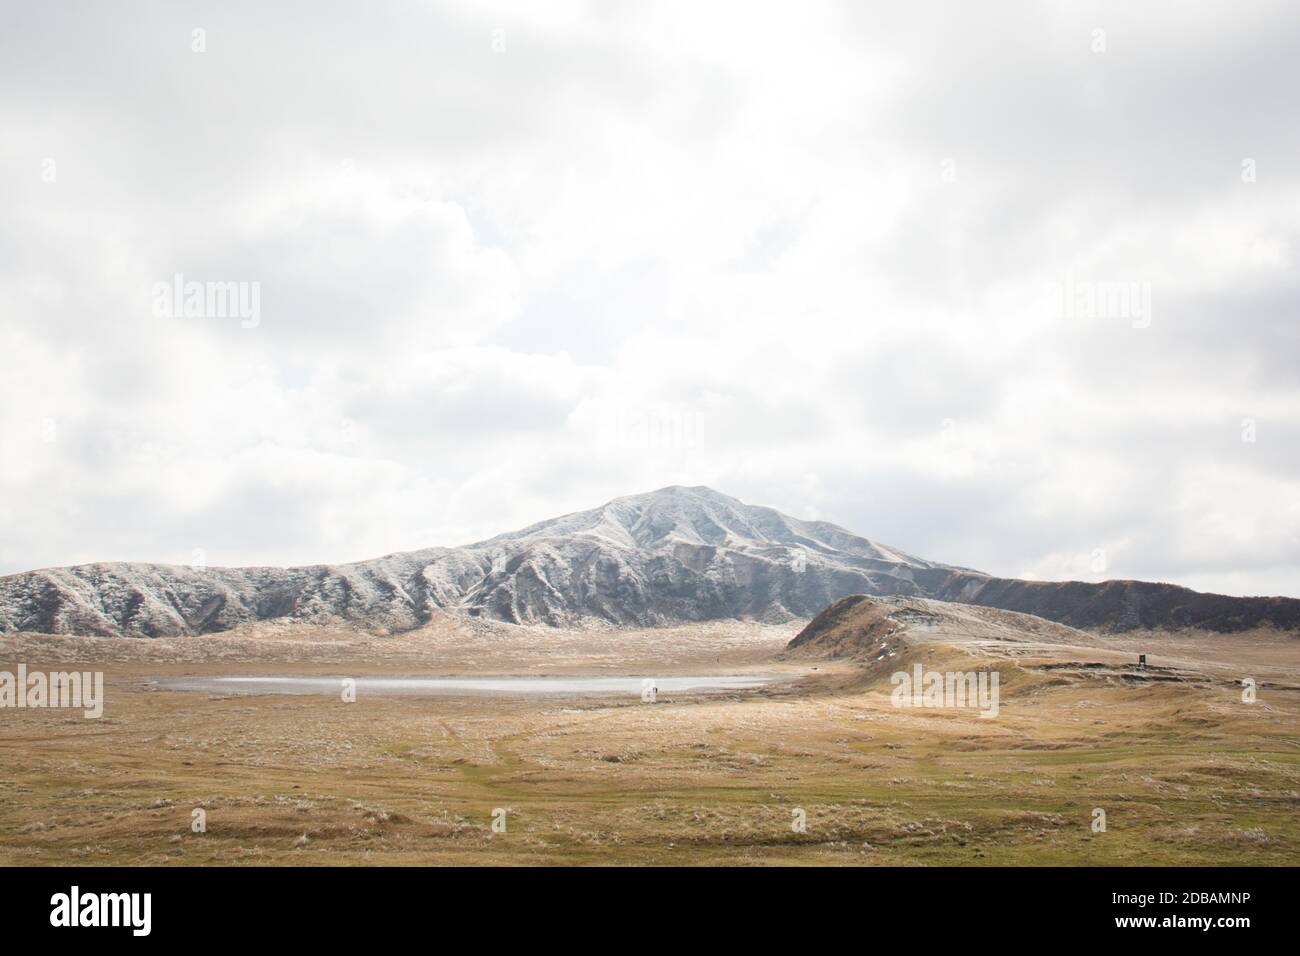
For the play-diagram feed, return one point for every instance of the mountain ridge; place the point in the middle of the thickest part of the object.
(675, 555)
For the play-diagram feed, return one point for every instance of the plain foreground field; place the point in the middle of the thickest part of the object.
(1185, 770)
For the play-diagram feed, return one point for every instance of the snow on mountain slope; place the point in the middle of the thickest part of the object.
(672, 555)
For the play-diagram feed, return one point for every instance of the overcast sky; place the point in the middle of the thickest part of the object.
(857, 262)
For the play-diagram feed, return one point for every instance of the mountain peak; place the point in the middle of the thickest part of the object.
(673, 555)
(678, 553)
(696, 515)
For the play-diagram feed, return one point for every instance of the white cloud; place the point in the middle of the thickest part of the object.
(802, 258)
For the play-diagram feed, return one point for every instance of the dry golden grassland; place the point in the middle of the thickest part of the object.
(1186, 772)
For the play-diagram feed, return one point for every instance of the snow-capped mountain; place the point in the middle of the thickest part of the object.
(673, 555)
(670, 556)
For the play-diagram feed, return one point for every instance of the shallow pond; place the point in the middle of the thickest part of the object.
(490, 686)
